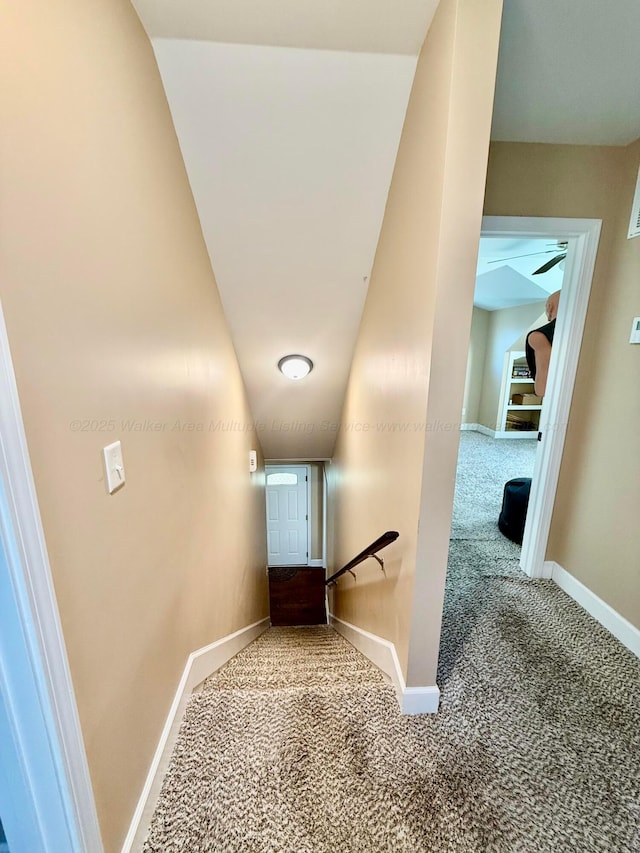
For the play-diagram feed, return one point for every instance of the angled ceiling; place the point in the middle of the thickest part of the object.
(368, 26)
(504, 276)
(289, 114)
(290, 155)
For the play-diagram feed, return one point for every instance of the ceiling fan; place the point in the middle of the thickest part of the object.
(560, 247)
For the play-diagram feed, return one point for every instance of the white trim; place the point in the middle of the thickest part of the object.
(582, 236)
(547, 569)
(316, 564)
(602, 612)
(308, 476)
(492, 433)
(412, 700)
(634, 219)
(200, 664)
(516, 434)
(38, 612)
(296, 460)
(324, 516)
(480, 428)
(420, 700)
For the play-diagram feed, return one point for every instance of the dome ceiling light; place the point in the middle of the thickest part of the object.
(295, 366)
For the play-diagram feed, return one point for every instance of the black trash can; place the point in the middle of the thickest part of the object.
(513, 515)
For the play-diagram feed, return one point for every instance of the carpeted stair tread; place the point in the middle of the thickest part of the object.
(323, 680)
(296, 657)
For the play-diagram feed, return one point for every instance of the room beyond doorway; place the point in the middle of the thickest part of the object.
(580, 238)
(484, 466)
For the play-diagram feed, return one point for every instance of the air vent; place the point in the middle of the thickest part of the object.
(634, 224)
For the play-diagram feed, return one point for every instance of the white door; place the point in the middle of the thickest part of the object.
(287, 515)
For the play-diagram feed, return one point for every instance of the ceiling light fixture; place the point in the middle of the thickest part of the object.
(295, 366)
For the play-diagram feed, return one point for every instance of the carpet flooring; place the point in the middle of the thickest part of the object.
(297, 745)
(484, 466)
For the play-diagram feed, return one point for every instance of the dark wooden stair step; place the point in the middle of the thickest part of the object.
(297, 595)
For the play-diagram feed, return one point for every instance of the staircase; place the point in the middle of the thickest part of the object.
(294, 659)
(272, 751)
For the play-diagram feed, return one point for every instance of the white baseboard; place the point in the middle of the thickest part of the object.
(317, 564)
(420, 700)
(492, 433)
(200, 664)
(496, 433)
(603, 613)
(479, 428)
(412, 700)
(547, 570)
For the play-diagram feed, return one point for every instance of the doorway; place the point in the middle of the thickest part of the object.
(474, 566)
(581, 237)
(288, 501)
(501, 412)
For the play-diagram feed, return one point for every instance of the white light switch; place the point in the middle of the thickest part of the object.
(635, 331)
(114, 466)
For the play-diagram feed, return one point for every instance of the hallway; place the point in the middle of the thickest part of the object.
(297, 744)
(147, 308)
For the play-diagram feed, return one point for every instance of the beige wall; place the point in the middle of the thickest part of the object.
(315, 510)
(115, 324)
(506, 332)
(407, 379)
(475, 366)
(594, 530)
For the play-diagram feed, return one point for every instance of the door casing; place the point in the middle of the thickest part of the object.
(307, 470)
(38, 702)
(582, 236)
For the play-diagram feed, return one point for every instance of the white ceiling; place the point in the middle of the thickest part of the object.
(289, 114)
(569, 72)
(290, 155)
(505, 272)
(368, 26)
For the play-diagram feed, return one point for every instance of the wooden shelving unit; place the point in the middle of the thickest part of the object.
(515, 420)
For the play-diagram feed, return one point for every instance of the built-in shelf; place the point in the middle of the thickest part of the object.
(516, 420)
(522, 408)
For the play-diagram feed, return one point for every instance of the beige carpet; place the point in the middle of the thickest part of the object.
(297, 746)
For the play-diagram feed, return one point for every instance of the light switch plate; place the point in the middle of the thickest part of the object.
(114, 466)
(635, 331)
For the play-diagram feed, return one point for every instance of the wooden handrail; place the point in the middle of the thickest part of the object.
(370, 551)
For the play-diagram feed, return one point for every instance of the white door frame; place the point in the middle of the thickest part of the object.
(323, 472)
(582, 236)
(307, 469)
(57, 778)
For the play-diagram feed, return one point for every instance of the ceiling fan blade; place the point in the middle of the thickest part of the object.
(530, 255)
(550, 264)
